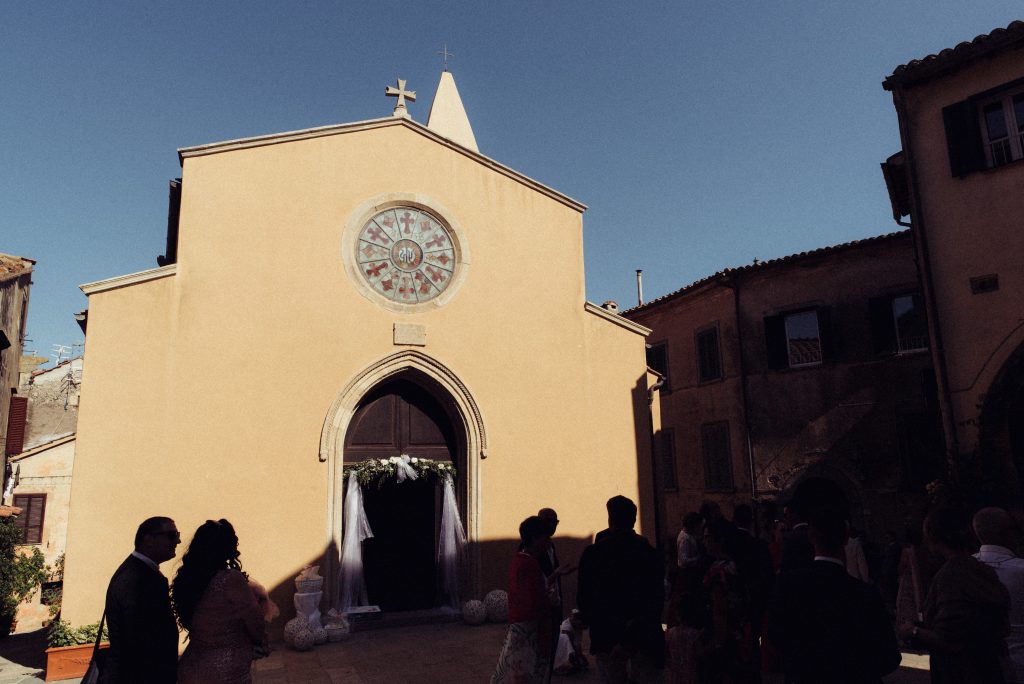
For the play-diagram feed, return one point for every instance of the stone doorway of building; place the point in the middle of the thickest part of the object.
(400, 561)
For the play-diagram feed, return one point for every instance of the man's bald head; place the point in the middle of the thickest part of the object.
(996, 526)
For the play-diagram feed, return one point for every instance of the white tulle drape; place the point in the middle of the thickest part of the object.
(450, 546)
(357, 528)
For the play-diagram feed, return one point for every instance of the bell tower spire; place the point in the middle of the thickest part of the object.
(448, 116)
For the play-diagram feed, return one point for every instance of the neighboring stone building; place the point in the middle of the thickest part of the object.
(814, 363)
(52, 401)
(441, 296)
(960, 179)
(42, 490)
(15, 282)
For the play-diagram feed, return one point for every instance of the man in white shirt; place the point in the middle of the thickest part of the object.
(999, 533)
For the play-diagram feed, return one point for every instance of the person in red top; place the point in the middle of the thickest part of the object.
(525, 656)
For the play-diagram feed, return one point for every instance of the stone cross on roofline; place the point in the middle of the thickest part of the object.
(401, 93)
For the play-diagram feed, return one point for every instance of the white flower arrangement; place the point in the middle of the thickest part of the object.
(380, 470)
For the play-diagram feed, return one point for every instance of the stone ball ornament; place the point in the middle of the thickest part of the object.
(496, 605)
(474, 612)
(293, 627)
(303, 640)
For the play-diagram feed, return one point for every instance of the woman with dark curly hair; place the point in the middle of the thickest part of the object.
(218, 608)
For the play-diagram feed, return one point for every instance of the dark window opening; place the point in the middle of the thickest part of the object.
(798, 339)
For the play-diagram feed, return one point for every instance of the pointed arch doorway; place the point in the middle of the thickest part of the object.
(404, 415)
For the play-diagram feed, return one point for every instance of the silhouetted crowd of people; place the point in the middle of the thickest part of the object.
(797, 604)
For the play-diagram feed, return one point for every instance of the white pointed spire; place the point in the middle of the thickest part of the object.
(448, 116)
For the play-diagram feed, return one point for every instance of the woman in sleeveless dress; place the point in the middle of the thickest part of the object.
(218, 608)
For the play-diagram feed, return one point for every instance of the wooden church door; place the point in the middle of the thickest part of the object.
(399, 561)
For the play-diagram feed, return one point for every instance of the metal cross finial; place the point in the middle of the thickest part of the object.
(445, 55)
(401, 93)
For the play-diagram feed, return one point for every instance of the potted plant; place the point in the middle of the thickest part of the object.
(70, 649)
(21, 573)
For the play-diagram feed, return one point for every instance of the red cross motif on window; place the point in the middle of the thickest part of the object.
(407, 220)
(374, 271)
(424, 283)
(388, 221)
(442, 259)
(386, 285)
(378, 234)
(436, 241)
(436, 274)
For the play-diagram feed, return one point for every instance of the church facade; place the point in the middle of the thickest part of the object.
(361, 291)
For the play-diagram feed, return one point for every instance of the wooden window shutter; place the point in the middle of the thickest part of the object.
(883, 330)
(775, 342)
(33, 508)
(963, 138)
(670, 478)
(16, 425)
(709, 366)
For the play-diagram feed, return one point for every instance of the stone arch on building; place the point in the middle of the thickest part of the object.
(1001, 431)
(838, 472)
(426, 372)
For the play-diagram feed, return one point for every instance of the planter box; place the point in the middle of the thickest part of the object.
(67, 662)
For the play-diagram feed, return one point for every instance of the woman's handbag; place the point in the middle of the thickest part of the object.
(92, 675)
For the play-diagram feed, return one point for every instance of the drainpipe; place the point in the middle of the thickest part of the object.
(931, 308)
(735, 285)
(654, 463)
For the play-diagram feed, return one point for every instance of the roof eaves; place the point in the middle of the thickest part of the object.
(728, 273)
(918, 70)
(45, 446)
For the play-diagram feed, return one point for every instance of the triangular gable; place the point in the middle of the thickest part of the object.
(340, 129)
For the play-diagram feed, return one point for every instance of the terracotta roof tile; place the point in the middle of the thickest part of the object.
(760, 265)
(951, 58)
(11, 266)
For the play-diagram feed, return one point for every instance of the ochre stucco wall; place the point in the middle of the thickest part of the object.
(973, 228)
(193, 404)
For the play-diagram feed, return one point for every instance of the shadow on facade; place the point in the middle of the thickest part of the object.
(491, 557)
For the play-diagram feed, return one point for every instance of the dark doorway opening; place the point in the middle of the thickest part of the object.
(399, 561)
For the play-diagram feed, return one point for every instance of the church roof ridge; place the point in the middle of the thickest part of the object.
(337, 129)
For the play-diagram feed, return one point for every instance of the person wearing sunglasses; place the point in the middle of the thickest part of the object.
(143, 631)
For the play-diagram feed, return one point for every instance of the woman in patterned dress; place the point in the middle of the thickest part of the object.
(219, 609)
(525, 657)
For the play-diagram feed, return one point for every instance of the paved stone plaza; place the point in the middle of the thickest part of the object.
(420, 654)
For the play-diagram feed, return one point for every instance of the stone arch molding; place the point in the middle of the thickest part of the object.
(332, 438)
(332, 441)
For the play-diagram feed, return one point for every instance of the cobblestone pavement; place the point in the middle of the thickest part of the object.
(422, 654)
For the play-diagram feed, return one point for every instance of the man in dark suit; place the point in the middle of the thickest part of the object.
(830, 627)
(143, 631)
(620, 595)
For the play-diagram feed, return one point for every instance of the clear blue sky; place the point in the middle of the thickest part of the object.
(700, 134)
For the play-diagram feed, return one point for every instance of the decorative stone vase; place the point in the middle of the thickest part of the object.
(496, 605)
(303, 640)
(473, 612)
(293, 627)
(68, 662)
